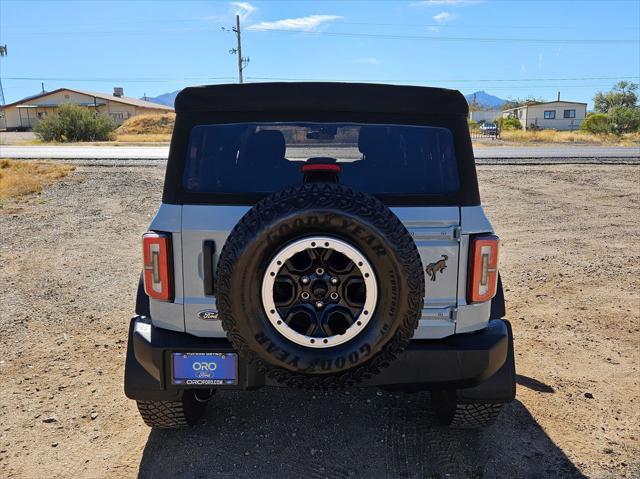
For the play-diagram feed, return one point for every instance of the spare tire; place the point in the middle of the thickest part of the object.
(320, 286)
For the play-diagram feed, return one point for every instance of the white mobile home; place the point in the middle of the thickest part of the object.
(552, 115)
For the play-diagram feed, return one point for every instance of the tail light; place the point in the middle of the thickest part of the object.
(158, 273)
(483, 273)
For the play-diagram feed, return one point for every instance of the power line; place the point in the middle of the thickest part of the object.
(452, 39)
(460, 80)
(387, 36)
(207, 78)
(505, 27)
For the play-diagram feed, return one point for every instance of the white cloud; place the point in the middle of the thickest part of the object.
(243, 9)
(368, 61)
(444, 17)
(540, 60)
(306, 24)
(524, 69)
(431, 3)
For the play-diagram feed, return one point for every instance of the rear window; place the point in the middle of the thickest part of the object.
(267, 157)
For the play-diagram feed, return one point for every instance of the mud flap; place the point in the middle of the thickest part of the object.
(499, 388)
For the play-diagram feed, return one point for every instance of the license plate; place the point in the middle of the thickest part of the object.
(206, 369)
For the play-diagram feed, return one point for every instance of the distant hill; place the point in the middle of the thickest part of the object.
(484, 99)
(164, 99)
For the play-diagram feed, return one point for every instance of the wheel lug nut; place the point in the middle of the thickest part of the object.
(319, 304)
(333, 296)
(334, 280)
(304, 295)
(319, 271)
(305, 280)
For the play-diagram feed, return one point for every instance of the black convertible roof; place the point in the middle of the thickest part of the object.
(322, 97)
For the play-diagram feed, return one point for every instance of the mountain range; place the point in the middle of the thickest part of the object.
(164, 99)
(482, 97)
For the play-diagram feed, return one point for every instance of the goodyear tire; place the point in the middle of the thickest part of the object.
(179, 414)
(320, 286)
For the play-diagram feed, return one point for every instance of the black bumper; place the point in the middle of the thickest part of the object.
(465, 361)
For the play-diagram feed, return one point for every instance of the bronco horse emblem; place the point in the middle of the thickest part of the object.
(433, 268)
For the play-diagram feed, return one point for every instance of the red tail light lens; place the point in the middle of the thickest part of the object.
(158, 273)
(483, 272)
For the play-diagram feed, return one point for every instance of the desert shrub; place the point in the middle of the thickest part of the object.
(511, 123)
(75, 123)
(597, 123)
(624, 120)
(148, 125)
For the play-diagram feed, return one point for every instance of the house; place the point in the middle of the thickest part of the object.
(552, 115)
(25, 113)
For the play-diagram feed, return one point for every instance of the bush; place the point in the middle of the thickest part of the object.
(597, 123)
(624, 120)
(509, 124)
(75, 123)
(148, 125)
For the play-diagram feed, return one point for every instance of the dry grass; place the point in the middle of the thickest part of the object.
(148, 125)
(19, 178)
(144, 138)
(552, 136)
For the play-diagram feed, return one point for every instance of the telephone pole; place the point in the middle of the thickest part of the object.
(242, 62)
(3, 53)
(240, 67)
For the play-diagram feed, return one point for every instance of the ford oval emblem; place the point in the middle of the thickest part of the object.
(208, 315)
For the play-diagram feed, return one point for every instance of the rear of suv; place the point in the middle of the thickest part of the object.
(320, 236)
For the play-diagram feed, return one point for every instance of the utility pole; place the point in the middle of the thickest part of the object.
(239, 48)
(3, 53)
(242, 62)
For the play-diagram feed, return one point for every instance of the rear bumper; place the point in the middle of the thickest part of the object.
(455, 362)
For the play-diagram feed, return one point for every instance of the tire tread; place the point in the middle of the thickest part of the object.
(179, 414)
(331, 196)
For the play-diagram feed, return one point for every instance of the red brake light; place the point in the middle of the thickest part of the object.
(483, 271)
(156, 251)
(321, 167)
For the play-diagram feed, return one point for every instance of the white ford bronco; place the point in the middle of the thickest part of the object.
(320, 236)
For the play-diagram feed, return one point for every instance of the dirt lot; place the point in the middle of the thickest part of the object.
(69, 265)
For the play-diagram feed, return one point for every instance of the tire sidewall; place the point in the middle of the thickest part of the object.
(359, 220)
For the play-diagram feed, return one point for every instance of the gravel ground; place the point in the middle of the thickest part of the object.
(69, 265)
(16, 137)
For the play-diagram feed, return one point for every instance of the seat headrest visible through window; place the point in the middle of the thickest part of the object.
(265, 148)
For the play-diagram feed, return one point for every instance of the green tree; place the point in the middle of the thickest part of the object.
(623, 94)
(517, 102)
(75, 123)
(624, 120)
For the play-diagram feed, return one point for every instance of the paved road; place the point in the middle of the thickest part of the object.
(161, 152)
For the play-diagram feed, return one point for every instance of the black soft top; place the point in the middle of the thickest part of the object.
(322, 96)
(319, 102)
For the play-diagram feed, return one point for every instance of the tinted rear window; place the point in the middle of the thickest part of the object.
(267, 157)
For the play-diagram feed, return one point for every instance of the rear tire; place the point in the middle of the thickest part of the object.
(179, 414)
(463, 415)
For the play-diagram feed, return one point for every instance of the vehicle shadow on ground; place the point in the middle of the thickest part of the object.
(355, 433)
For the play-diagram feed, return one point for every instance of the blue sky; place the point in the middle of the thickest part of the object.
(507, 48)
